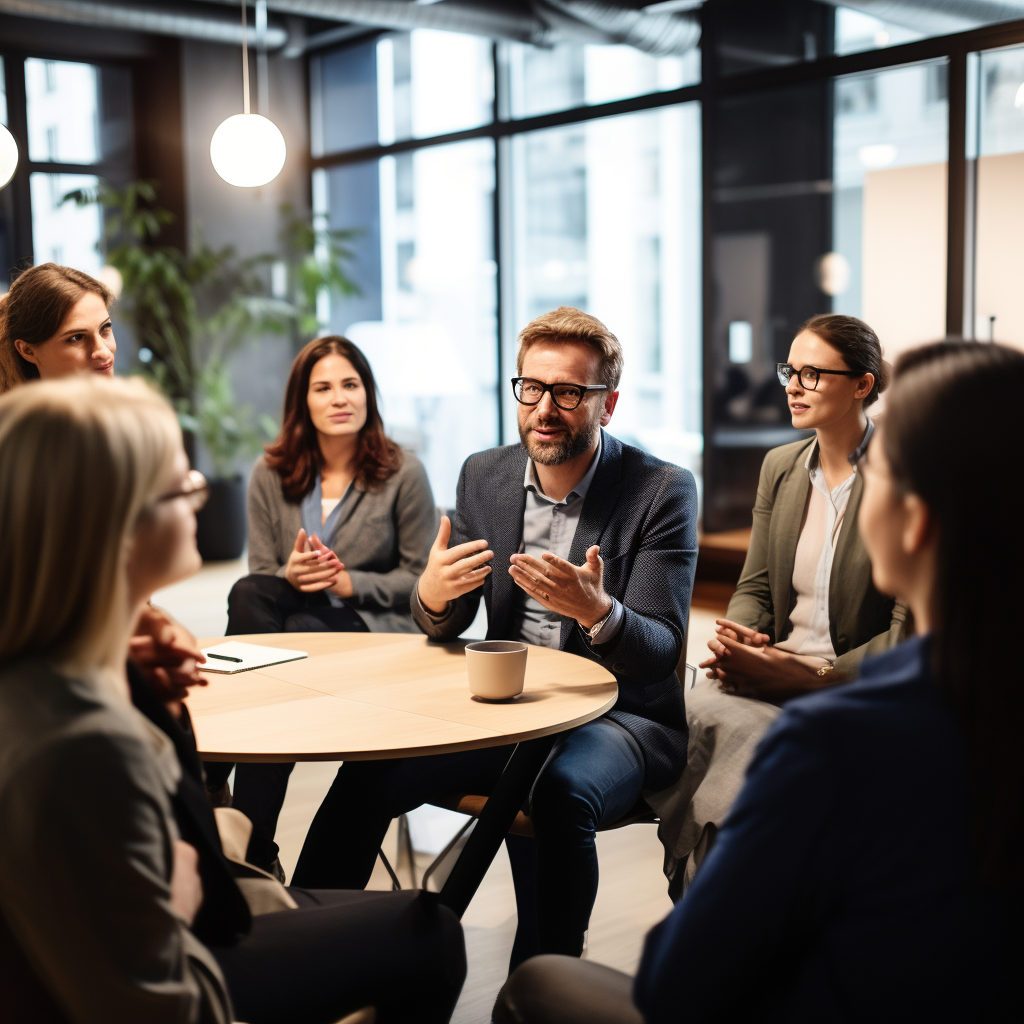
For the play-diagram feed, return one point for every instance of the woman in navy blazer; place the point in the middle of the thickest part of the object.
(870, 867)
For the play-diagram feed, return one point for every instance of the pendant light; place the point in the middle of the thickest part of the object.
(8, 156)
(247, 149)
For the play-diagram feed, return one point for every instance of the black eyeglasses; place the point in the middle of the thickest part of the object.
(196, 490)
(809, 375)
(565, 396)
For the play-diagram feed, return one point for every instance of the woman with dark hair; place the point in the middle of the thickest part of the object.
(870, 867)
(340, 518)
(805, 606)
(55, 321)
(340, 524)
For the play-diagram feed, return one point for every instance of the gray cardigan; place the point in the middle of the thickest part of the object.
(383, 538)
(86, 858)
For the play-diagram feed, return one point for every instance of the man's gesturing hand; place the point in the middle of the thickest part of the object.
(571, 590)
(452, 572)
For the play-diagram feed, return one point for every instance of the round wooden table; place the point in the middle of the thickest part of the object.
(365, 696)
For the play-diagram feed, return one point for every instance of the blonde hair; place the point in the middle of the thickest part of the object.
(33, 310)
(80, 460)
(575, 327)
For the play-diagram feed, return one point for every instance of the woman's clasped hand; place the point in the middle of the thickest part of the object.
(312, 566)
(745, 662)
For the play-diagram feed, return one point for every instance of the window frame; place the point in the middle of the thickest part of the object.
(17, 123)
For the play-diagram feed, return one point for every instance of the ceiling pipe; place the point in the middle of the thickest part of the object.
(482, 20)
(661, 35)
(545, 23)
(162, 23)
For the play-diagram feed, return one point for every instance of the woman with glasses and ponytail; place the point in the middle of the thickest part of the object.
(805, 611)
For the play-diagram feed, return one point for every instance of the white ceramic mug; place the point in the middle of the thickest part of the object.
(497, 668)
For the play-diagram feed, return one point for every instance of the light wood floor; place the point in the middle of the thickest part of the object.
(633, 892)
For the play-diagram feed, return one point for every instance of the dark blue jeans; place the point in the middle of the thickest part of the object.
(593, 777)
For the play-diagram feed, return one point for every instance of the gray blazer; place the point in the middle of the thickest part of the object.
(383, 538)
(86, 859)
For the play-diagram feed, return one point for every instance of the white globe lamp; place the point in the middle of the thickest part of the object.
(8, 156)
(248, 150)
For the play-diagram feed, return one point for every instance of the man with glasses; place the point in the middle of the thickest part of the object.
(576, 542)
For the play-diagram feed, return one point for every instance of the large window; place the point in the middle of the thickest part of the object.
(602, 213)
(77, 123)
(426, 315)
(996, 146)
(606, 218)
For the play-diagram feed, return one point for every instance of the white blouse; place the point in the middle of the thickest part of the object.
(812, 567)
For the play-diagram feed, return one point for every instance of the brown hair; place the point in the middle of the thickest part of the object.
(856, 343)
(574, 326)
(295, 454)
(953, 418)
(33, 310)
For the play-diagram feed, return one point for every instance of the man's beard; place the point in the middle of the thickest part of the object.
(554, 453)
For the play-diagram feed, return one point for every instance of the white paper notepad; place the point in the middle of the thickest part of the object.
(249, 656)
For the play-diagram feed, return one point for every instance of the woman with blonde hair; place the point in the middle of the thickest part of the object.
(97, 891)
(55, 321)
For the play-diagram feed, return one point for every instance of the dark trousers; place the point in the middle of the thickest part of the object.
(593, 777)
(270, 604)
(400, 952)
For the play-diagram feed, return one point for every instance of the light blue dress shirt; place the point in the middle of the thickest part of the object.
(550, 525)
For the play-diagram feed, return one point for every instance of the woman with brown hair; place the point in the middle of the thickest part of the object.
(340, 524)
(55, 321)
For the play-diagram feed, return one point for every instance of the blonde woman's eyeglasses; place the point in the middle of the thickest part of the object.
(195, 492)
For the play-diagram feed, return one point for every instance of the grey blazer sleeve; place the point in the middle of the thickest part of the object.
(263, 507)
(461, 612)
(85, 871)
(415, 517)
(751, 603)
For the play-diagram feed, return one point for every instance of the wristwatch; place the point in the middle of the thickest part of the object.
(825, 669)
(596, 628)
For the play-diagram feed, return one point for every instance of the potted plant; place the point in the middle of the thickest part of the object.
(191, 311)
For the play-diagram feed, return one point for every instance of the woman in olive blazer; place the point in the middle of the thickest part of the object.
(861, 620)
(781, 636)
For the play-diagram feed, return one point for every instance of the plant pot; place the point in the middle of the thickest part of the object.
(220, 524)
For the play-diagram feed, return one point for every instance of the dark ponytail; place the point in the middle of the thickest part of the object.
(953, 418)
(856, 343)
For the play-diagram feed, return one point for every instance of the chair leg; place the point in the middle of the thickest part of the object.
(405, 840)
(439, 859)
(396, 885)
